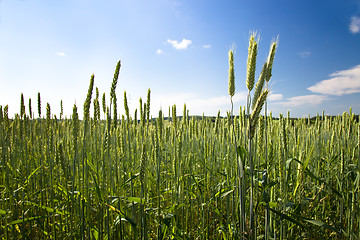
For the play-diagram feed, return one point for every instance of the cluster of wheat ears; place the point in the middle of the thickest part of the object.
(245, 176)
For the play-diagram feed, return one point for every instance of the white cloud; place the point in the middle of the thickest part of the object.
(61, 54)
(305, 54)
(306, 99)
(354, 26)
(207, 46)
(341, 83)
(159, 51)
(180, 45)
(275, 97)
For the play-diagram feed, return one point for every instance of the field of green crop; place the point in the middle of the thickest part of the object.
(246, 176)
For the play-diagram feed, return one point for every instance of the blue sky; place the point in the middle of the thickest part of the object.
(179, 49)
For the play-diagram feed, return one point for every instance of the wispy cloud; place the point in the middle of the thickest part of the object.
(180, 45)
(340, 83)
(304, 100)
(207, 46)
(159, 51)
(343, 82)
(275, 97)
(61, 54)
(305, 54)
(354, 26)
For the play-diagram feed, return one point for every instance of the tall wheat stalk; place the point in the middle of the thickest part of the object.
(256, 104)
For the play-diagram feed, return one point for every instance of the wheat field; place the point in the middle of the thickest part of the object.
(245, 176)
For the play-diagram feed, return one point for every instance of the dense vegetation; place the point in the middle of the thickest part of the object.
(180, 178)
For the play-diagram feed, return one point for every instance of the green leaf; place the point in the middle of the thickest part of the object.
(132, 178)
(321, 224)
(309, 173)
(273, 204)
(48, 209)
(241, 152)
(61, 189)
(317, 223)
(31, 174)
(307, 160)
(98, 191)
(25, 220)
(126, 218)
(176, 206)
(289, 218)
(288, 163)
(226, 193)
(135, 199)
(271, 184)
(94, 233)
(217, 211)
